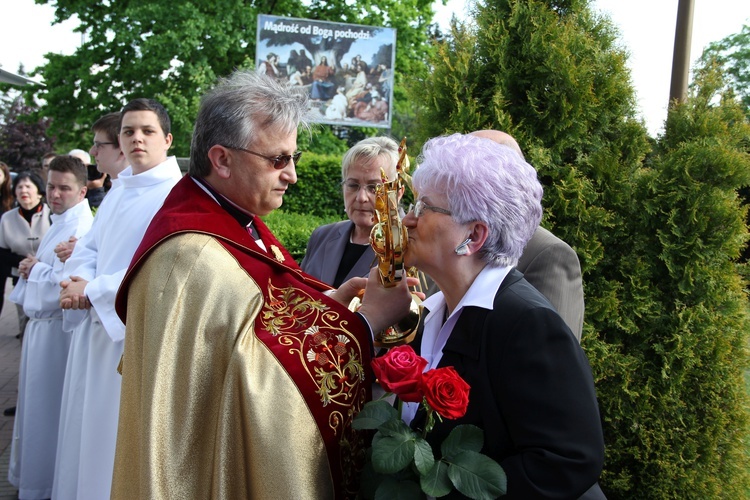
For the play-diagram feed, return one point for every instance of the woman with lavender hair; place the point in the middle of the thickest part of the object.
(532, 391)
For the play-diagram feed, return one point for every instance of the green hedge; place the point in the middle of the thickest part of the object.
(293, 230)
(318, 188)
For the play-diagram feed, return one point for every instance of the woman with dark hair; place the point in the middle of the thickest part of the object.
(292, 63)
(269, 66)
(22, 229)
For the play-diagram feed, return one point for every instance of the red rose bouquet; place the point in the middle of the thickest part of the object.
(401, 463)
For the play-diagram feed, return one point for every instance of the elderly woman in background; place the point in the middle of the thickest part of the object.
(532, 391)
(339, 251)
(22, 229)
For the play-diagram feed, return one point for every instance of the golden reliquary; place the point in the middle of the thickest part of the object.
(389, 240)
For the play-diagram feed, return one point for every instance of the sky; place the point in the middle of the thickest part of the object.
(647, 30)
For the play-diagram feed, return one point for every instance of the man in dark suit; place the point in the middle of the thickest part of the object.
(549, 263)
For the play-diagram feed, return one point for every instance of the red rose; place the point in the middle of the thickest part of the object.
(400, 372)
(446, 392)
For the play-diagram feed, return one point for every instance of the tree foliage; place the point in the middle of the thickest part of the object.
(657, 226)
(687, 393)
(551, 75)
(174, 51)
(23, 138)
(733, 54)
(318, 188)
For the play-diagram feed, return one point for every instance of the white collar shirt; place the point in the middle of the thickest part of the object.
(481, 293)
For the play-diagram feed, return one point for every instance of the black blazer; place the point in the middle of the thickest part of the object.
(532, 393)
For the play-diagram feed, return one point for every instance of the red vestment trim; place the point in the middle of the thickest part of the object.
(322, 345)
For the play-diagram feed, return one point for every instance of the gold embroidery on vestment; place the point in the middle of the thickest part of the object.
(317, 335)
(330, 354)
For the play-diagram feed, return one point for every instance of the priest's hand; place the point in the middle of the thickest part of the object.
(354, 287)
(26, 265)
(64, 249)
(73, 295)
(383, 307)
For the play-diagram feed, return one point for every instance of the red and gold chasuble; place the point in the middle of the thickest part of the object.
(322, 347)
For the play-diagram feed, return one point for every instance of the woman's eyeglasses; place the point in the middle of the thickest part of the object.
(354, 187)
(419, 207)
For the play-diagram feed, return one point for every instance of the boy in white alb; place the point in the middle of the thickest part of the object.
(88, 422)
(45, 345)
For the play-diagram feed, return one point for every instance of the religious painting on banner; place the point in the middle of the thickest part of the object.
(347, 69)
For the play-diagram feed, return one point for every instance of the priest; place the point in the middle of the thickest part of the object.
(241, 374)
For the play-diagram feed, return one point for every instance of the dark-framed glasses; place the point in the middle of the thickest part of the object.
(279, 162)
(419, 207)
(98, 145)
(354, 187)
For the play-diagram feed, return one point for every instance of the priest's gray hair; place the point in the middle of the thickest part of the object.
(241, 104)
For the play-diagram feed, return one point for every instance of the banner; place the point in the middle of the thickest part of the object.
(347, 69)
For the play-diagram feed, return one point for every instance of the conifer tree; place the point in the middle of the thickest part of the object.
(689, 394)
(665, 322)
